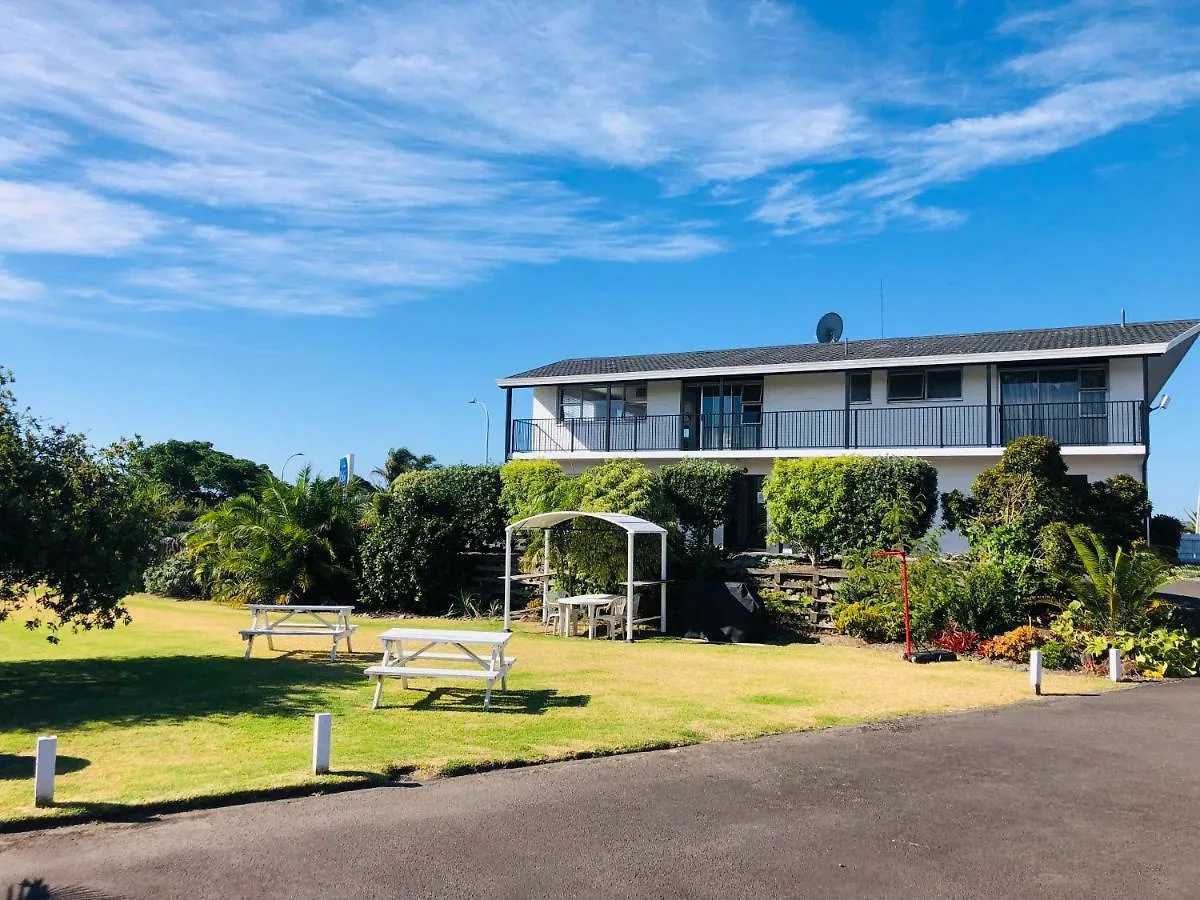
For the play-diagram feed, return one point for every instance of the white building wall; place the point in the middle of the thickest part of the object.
(663, 398)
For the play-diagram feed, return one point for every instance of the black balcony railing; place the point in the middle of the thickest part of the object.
(950, 425)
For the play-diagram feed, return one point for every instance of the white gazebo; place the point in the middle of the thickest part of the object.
(632, 525)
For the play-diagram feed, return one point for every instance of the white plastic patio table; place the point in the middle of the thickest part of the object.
(328, 621)
(591, 602)
(486, 662)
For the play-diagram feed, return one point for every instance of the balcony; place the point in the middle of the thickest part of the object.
(1089, 423)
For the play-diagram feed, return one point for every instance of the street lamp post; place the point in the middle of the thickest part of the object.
(283, 468)
(487, 430)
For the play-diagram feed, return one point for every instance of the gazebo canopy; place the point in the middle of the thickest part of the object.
(632, 524)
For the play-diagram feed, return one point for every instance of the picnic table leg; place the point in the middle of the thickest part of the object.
(487, 694)
(378, 691)
(498, 664)
(333, 652)
(249, 645)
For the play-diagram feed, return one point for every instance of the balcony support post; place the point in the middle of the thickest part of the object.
(608, 420)
(508, 424)
(846, 413)
(990, 371)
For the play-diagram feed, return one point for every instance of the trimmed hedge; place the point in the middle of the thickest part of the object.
(530, 486)
(702, 492)
(830, 505)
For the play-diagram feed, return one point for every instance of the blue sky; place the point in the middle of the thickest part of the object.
(326, 226)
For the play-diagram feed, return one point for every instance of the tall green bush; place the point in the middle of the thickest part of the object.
(530, 487)
(837, 504)
(414, 558)
(702, 493)
(595, 552)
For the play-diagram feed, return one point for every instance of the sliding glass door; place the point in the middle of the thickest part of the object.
(722, 415)
(1066, 403)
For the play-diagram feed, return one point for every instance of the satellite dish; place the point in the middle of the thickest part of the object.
(829, 329)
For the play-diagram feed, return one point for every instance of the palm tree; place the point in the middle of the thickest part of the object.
(1116, 592)
(285, 543)
(401, 460)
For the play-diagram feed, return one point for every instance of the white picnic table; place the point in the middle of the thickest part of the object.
(593, 603)
(299, 620)
(486, 662)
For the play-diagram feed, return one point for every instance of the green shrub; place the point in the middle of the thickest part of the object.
(173, 577)
(850, 503)
(701, 493)
(870, 621)
(1058, 654)
(1161, 652)
(410, 560)
(1165, 534)
(470, 495)
(595, 552)
(530, 487)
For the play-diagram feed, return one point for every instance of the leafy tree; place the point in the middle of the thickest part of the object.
(197, 474)
(287, 543)
(702, 492)
(401, 460)
(1116, 591)
(1024, 492)
(1116, 509)
(416, 555)
(77, 526)
(1165, 534)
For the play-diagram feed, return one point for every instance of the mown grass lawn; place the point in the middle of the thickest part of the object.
(167, 710)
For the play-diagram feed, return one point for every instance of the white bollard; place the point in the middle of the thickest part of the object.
(43, 771)
(1035, 671)
(322, 732)
(1114, 663)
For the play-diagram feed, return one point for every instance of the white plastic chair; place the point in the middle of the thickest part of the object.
(550, 609)
(614, 619)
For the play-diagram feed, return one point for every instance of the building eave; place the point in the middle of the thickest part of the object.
(952, 359)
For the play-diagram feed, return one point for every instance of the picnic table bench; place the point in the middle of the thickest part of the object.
(486, 663)
(293, 620)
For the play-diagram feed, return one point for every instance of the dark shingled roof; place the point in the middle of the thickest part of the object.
(1066, 339)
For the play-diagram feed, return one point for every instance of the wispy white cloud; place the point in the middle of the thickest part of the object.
(237, 155)
(50, 218)
(14, 288)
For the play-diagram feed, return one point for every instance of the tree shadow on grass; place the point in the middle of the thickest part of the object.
(14, 767)
(46, 695)
(529, 703)
(38, 889)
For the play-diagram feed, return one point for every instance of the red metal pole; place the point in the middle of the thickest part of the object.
(907, 618)
(903, 556)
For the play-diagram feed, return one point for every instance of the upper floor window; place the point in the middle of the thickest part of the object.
(860, 387)
(623, 400)
(924, 384)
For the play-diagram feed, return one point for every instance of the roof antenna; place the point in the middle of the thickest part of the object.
(881, 309)
(1122, 317)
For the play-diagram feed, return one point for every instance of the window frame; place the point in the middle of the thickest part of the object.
(615, 393)
(866, 375)
(924, 375)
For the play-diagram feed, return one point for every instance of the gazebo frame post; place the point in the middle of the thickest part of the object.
(629, 589)
(662, 589)
(546, 576)
(508, 535)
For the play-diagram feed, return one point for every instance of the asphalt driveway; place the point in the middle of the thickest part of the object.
(1073, 797)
